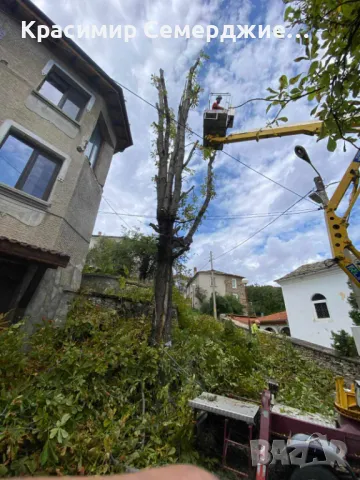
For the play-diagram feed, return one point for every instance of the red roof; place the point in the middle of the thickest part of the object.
(277, 318)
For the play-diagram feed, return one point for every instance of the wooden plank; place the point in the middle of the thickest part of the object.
(32, 253)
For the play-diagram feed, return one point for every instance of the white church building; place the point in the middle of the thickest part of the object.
(316, 300)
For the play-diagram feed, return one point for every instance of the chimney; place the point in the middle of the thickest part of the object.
(195, 270)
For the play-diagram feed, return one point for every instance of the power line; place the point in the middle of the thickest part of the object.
(264, 227)
(123, 214)
(225, 153)
(258, 231)
(116, 213)
(261, 215)
(219, 217)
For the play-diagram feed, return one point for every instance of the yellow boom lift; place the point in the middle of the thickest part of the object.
(216, 123)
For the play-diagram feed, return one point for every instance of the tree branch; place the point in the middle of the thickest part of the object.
(155, 227)
(160, 144)
(252, 100)
(184, 221)
(167, 113)
(208, 195)
(184, 194)
(190, 154)
(179, 148)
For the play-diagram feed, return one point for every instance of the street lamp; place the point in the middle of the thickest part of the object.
(302, 153)
(320, 196)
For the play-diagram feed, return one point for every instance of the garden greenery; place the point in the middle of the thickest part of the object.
(93, 397)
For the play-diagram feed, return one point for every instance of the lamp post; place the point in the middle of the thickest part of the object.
(320, 196)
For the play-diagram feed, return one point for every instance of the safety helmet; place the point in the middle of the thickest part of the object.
(219, 97)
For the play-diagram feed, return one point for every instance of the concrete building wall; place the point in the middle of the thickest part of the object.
(223, 286)
(303, 321)
(65, 221)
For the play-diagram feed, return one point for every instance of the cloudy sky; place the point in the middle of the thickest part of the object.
(245, 69)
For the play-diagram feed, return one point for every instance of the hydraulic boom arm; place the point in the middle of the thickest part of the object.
(343, 250)
(307, 128)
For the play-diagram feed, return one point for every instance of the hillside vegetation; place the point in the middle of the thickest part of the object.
(94, 397)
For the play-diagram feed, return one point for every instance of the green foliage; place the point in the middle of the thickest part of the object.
(330, 36)
(265, 299)
(302, 382)
(200, 294)
(93, 397)
(226, 304)
(344, 343)
(354, 313)
(136, 294)
(133, 255)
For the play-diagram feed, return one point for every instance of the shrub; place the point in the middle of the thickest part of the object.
(226, 304)
(344, 343)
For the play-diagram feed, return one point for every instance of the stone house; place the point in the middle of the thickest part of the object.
(62, 119)
(316, 300)
(225, 284)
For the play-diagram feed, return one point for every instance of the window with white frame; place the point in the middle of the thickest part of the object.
(63, 92)
(320, 306)
(93, 146)
(27, 167)
(233, 283)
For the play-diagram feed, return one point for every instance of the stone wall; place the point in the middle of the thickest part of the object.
(125, 307)
(97, 282)
(328, 358)
(105, 290)
(239, 291)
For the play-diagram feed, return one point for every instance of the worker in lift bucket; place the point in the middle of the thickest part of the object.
(216, 104)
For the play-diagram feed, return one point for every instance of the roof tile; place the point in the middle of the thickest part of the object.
(310, 268)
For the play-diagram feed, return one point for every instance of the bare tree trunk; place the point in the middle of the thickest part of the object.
(163, 287)
(171, 199)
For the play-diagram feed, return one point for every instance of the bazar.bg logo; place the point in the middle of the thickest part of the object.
(315, 450)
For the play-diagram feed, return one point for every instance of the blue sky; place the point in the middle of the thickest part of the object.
(245, 69)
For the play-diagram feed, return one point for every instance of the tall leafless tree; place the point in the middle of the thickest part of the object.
(178, 217)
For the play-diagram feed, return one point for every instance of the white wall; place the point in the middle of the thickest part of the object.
(302, 318)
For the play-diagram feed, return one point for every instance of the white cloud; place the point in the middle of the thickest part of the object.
(245, 69)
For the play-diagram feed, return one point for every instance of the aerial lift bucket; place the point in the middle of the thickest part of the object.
(216, 122)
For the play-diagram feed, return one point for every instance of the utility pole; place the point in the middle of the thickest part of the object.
(213, 286)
